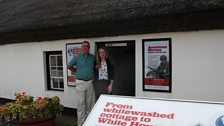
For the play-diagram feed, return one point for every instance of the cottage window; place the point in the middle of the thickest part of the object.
(54, 66)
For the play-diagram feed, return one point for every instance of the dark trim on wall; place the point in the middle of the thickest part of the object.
(203, 20)
(5, 100)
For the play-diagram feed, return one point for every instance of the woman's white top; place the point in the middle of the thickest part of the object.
(103, 73)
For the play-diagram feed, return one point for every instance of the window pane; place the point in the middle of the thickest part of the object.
(53, 60)
(60, 73)
(54, 73)
(59, 68)
(59, 58)
(55, 83)
(61, 83)
(53, 68)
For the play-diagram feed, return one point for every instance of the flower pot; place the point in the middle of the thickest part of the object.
(36, 122)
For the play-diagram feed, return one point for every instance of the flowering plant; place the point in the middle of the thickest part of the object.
(26, 108)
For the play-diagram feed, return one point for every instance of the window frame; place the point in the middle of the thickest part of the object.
(49, 84)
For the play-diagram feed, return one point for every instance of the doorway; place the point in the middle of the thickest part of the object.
(122, 56)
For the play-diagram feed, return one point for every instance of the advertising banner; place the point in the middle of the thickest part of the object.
(157, 65)
(72, 49)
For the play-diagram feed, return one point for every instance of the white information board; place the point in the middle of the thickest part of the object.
(129, 111)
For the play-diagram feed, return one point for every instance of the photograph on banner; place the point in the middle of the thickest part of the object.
(72, 49)
(157, 65)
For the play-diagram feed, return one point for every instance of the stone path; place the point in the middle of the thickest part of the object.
(65, 120)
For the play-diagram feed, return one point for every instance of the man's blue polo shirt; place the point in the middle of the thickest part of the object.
(84, 65)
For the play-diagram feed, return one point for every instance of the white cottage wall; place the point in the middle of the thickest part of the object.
(197, 66)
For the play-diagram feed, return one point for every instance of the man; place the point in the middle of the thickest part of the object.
(84, 68)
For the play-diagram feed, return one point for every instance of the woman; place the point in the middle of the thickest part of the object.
(104, 74)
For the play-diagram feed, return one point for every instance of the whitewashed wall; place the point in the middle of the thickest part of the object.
(197, 66)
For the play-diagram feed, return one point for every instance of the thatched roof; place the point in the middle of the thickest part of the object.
(38, 20)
